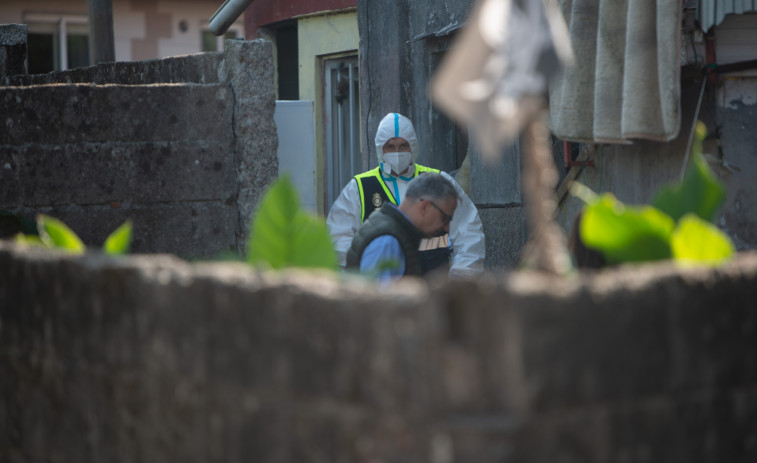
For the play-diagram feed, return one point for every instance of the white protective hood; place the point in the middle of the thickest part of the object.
(395, 125)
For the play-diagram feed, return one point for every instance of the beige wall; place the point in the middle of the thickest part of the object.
(322, 37)
(143, 29)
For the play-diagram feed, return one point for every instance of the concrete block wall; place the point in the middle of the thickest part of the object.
(12, 49)
(149, 358)
(183, 146)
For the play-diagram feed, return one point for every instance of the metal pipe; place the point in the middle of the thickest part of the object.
(101, 43)
(352, 124)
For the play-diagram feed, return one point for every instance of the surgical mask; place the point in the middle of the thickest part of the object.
(397, 162)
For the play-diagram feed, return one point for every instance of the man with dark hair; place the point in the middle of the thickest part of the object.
(387, 243)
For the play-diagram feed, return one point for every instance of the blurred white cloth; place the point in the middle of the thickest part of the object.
(494, 79)
(625, 83)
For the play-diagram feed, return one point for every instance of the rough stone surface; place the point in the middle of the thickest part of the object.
(505, 234)
(497, 184)
(12, 50)
(248, 68)
(154, 359)
(183, 146)
(171, 112)
(199, 68)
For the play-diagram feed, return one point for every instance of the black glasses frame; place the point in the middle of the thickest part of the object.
(446, 218)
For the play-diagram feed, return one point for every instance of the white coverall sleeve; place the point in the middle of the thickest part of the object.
(466, 233)
(344, 219)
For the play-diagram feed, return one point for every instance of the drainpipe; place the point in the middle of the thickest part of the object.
(226, 15)
(101, 43)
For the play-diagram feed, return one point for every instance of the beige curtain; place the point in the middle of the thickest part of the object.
(625, 82)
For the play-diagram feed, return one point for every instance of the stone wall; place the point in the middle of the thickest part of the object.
(150, 358)
(183, 146)
(12, 49)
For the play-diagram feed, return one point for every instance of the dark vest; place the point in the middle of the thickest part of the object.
(387, 220)
(374, 193)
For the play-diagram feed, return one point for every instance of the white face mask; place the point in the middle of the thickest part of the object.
(396, 162)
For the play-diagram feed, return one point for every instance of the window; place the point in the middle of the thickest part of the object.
(287, 62)
(56, 42)
(342, 127)
(211, 42)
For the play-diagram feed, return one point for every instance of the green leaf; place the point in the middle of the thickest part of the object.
(696, 241)
(626, 233)
(312, 243)
(55, 234)
(284, 235)
(119, 241)
(701, 192)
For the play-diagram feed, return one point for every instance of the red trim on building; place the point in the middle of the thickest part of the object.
(265, 12)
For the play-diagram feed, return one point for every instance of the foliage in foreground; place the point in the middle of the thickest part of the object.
(54, 234)
(285, 235)
(677, 225)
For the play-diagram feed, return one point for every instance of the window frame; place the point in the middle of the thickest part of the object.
(336, 173)
(61, 23)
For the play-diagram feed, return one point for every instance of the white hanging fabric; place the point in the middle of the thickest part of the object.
(625, 81)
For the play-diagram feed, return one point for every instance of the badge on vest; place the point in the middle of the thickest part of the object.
(376, 200)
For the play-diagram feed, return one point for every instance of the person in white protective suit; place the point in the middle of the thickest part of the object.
(462, 250)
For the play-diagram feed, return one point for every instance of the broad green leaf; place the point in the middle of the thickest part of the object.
(696, 241)
(626, 233)
(284, 235)
(272, 227)
(55, 234)
(119, 241)
(701, 192)
(312, 243)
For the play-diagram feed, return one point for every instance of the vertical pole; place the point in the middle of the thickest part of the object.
(546, 249)
(101, 43)
(63, 45)
(352, 123)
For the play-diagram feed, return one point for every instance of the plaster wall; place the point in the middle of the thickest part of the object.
(319, 38)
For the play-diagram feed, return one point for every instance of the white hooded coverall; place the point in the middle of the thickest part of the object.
(466, 234)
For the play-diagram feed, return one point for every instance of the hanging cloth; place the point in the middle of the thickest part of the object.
(625, 83)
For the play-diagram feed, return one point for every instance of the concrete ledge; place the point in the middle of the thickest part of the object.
(200, 68)
(154, 358)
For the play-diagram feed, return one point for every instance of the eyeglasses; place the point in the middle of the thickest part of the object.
(446, 218)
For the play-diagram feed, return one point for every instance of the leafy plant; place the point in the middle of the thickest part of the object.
(285, 235)
(700, 193)
(119, 241)
(54, 234)
(676, 225)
